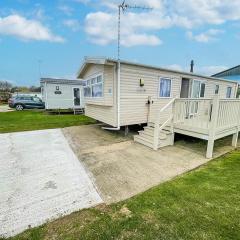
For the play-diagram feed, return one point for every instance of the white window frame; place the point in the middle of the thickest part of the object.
(93, 84)
(230, 92)
(159, 86)
(215, 85)
(201, 82)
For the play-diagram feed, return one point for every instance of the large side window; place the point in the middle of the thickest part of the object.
(229, 92)
(165, 85)
(94, 87)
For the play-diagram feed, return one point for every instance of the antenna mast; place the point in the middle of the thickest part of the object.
(124, 7)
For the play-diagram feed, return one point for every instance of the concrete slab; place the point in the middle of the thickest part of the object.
(5, 108)
(40, 180)
(122, 168)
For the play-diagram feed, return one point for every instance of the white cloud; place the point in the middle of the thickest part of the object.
(210, 70)
(175, 67)
(20, 27)
(101, 28)
(205, 37)
(140, 39)
(73, 24)
(204, 70)
(66, 9)
(187, 14)
(83, 1)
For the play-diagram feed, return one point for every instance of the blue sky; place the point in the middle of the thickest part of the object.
(57, 34)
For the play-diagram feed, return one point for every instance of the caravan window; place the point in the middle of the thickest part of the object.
(229, 92)
(198, 89)
(94, 87)
(87, 91)
(165, 87)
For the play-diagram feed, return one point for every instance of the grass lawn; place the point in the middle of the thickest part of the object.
(36, 120)
(202, 204)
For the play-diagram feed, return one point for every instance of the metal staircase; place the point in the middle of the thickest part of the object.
(157, 135)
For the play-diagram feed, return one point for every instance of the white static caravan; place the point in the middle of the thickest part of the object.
(126, 93)
(62, 93)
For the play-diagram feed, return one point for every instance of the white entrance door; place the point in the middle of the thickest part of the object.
(76, 97)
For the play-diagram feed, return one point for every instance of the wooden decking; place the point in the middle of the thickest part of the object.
(208, 119)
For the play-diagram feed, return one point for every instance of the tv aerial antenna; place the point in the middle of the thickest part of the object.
(123, 7)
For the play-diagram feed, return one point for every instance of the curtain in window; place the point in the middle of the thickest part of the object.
(165, 87)
(196, 89)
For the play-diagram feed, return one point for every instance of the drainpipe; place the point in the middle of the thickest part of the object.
(118, 98)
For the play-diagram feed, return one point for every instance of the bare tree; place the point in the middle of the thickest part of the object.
(5, 86)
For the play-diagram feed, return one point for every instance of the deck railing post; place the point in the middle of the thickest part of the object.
(212, 127)
(235, 135)
(156, 131)
(172, 122)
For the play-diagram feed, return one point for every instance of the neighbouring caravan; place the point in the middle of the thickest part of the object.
(122, 93)
(62, 93)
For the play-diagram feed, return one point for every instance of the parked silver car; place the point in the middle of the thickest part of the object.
(26, 102)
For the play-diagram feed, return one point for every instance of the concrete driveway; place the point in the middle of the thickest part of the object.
(40, 179)
(122, 168)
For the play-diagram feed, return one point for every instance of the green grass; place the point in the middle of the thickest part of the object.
(202, 204)
(36, 120)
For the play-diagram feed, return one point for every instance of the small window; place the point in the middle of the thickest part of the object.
(216, 89)
(165, 87)
(229, 92)
(202, 91)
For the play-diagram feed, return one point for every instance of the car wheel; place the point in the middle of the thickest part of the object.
(19, 107)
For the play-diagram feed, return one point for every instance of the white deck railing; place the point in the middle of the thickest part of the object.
(228, 113)
(193, 113)
(204, 116)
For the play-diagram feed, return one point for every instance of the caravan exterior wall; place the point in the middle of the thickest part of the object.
(60, 96)
(102, 108)
(134, 108)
